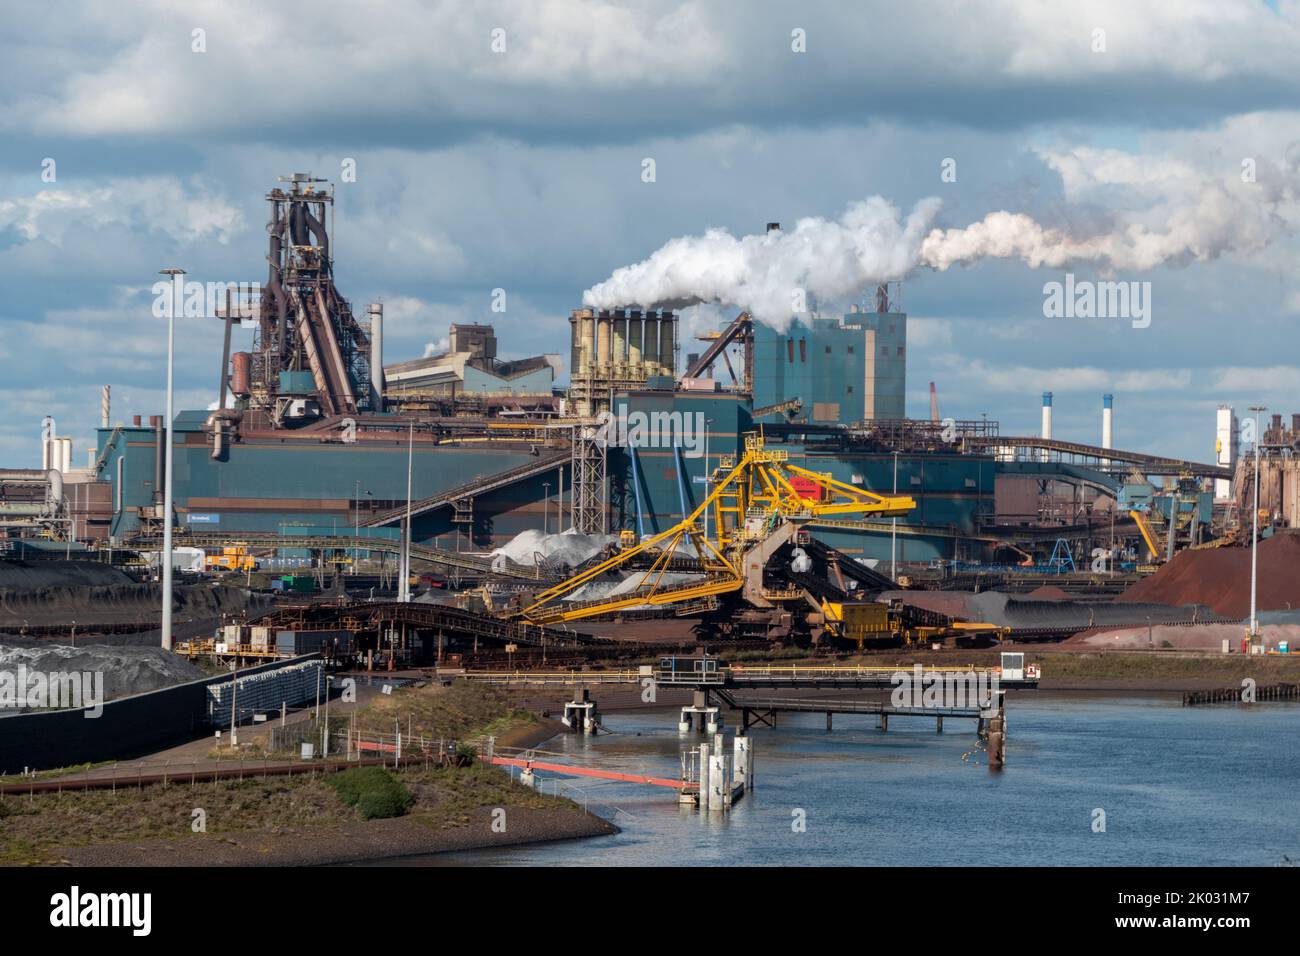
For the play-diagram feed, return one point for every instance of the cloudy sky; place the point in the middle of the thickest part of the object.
(504, 144)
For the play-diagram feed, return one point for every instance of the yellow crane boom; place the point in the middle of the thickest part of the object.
(754, 495)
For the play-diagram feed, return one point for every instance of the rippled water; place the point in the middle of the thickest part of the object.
(1205, 785)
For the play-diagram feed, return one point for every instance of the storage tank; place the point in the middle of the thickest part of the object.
(241, 374)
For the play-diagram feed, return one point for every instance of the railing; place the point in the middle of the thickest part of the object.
(554, 677)
(743, 672)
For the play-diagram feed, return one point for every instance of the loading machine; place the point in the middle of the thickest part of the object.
(756, 511)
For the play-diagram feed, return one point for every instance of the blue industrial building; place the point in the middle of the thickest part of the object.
(301, 482)
(842, 371)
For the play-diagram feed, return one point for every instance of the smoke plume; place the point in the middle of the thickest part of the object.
(779, 275)
(766, 274)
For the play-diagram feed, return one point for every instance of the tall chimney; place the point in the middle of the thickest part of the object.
(1107, 424)
(1047, 414)
(650, 350)
(376, 310)
(105, 405)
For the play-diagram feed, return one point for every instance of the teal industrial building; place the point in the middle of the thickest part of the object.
(842, 371)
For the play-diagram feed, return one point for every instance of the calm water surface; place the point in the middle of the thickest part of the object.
(1205, 785)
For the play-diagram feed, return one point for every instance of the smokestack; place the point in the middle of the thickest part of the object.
(587, 340)
(618, 362)
(667, 342)
(634, 332)
(1107, 423)
(604, 335)
(1047, 414)
(105, 405)
(376, 310)
(773, 227)
(934, 404)
(650, 350)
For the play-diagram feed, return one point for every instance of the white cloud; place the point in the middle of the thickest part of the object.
(184, 212)
(434, 62)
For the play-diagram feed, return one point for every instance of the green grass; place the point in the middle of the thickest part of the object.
(32, 829)
(458, 712)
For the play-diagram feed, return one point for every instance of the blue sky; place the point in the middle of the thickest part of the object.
(521, 169)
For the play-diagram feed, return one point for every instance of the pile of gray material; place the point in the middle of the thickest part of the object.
(127, 670)
(30, 575)
(91, 604)
(601, 590)
(565, 550)
(1005, 610)
(436, 596)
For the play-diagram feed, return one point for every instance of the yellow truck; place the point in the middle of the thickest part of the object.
(232, 558)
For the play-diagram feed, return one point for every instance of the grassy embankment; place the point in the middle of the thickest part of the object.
(33, 829)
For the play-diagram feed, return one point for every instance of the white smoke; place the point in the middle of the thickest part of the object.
(767, 274)
(780, 275)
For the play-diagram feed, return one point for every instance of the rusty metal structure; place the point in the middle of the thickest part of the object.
(304, 324)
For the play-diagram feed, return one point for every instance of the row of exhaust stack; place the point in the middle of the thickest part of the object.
(623, 344)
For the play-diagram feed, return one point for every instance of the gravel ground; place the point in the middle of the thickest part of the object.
(351, 843)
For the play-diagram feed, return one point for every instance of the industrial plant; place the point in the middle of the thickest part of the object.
(773, 491)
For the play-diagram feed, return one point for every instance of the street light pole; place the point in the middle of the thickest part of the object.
(178, 286)
(356, 514)
(1254, 534)
(404, 589)
(707, 423)
(893, 531)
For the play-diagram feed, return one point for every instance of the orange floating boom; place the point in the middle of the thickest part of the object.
(591, 772)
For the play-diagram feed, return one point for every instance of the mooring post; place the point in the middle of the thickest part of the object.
(704, 777)
(828, 721)
(998, 733)
(938, 724)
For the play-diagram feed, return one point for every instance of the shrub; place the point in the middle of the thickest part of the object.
(373, 791)
(380, 804)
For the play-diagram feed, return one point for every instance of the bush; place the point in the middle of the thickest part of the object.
(373, 791)
(380, 805)
(466, 755)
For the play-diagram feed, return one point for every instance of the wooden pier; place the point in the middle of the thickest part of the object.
(1238, 695)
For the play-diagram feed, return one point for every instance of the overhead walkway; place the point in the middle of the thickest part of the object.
(471, 489)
